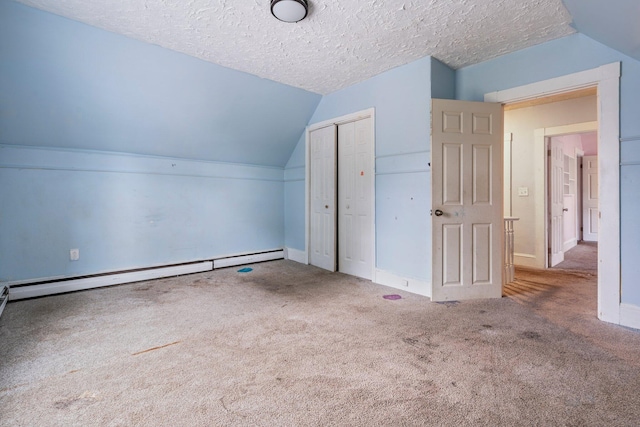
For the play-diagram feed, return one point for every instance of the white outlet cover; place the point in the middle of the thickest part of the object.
(523, 191)
(74, 254)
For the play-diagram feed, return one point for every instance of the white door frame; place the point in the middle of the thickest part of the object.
(542, 194)
(348, 118)
(607, 80)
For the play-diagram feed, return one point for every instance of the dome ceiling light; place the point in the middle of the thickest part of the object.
(289, 10)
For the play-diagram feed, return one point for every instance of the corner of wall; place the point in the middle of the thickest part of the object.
(443, 80)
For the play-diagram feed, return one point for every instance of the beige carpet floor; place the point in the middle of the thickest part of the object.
(583, 256)
(292, 345)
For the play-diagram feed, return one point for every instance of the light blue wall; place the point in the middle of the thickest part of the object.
(294, 197)
(443, 81)
(125, 211)
(66, 84)
(565, 56)
(82, 95)
(401, 98)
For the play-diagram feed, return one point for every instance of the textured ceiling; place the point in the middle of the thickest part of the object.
(340, 43)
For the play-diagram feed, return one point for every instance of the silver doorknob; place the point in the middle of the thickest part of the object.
(438, 212)
(565, 210)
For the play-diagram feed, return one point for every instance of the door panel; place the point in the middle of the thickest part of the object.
(466, 176)
(481, 254)
(323, 198)
(590, 198)
(451, 259)
(452, 165)
(481, 174)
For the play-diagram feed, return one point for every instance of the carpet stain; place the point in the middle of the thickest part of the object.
(84, 399)
(531, 335)
(411, 341)
(155, 348)
(448, 303)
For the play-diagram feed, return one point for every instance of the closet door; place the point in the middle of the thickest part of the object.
(323, 198)
(355, 198)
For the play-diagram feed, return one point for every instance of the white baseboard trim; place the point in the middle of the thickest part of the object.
(569, 245)
(248, 259)
(406, 284)
(630, 316)
(526, 260)
(31, 291)
(296, 255)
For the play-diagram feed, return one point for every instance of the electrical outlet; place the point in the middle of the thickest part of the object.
(523, 191)
(74, 254)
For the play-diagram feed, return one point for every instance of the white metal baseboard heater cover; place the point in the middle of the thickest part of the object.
(70, 285)
(248, 259)
(4, 297)
(58, 287)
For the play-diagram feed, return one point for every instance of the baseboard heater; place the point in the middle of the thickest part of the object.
(43, 288)
(4, 297)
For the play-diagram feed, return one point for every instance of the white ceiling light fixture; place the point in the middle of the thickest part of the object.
(289, 10)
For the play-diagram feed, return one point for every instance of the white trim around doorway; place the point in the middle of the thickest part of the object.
(607, 80)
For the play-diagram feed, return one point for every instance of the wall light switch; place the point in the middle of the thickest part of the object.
(523, 191)
(74, 254)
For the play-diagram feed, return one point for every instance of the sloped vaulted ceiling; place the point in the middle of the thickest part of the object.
(341, 42)
(613, 23)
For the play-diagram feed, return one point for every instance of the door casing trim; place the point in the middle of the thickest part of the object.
(607, 80)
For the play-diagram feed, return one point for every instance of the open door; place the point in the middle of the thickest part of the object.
(466, 183)
(556, 205)
(590, 198)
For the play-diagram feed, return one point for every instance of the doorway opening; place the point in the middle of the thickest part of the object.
(580, 195)
(607, 80)
(546, 142)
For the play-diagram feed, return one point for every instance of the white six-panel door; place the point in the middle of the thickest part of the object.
(590, 198)
(322, 239)
(556, 205)
(466, 180)
(355, 193)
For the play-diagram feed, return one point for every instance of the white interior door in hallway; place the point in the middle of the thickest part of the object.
(466, 177)
(556, 205)
(590, 190)
(342, 177)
